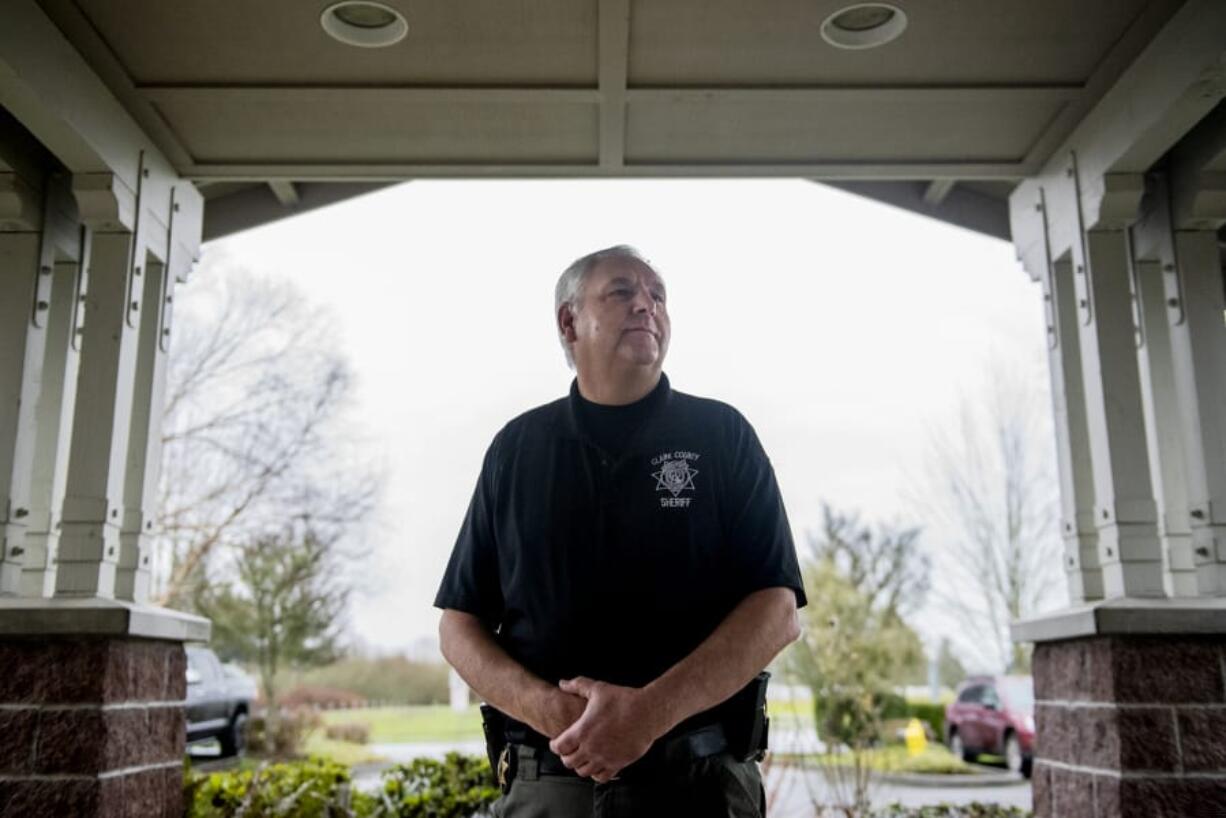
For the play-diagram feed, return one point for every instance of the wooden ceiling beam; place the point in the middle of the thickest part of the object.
(325, 171)
(323, 94)
(937, 190)
(285, 192)
(614, 59)
(798, 95)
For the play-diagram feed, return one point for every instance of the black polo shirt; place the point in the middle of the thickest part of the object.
(616, 566)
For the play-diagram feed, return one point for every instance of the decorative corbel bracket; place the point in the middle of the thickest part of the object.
(105, 203)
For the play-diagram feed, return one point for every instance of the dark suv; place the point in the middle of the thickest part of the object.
(993, 714)
(217, 706)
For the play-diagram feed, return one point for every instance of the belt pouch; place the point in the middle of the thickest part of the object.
(494, 726)
(745, 720)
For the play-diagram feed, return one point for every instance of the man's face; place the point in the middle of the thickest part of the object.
(622, 319)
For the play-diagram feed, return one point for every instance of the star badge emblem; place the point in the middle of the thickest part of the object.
(675, 476)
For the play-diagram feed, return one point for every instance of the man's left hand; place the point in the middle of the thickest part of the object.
(617, 727)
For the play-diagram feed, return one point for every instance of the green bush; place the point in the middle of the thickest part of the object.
(975, 810)
(933, 713)
(890, 705)
(456, 787)
(857, 717)
(301, 789)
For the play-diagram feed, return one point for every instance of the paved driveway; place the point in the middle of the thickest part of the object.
(794, 791)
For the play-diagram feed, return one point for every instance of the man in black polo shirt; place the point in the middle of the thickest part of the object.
(624, 569)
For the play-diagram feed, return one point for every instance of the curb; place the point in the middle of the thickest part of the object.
(983, 778)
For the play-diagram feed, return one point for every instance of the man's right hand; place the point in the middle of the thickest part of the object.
(556, 711)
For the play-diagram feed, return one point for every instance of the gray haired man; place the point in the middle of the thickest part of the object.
(624, 573)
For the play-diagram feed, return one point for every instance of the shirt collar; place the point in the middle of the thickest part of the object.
(653, 402)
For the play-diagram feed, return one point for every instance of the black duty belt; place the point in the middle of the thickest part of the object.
(739, 727)
(664, 756)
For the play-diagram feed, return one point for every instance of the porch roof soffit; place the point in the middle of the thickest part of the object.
(1165, 109)
(268, 115)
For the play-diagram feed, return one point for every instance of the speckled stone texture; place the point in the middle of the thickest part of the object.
(1128, 670)
(71, 671)
(88, 726)
(148, 794)
(1131, 726)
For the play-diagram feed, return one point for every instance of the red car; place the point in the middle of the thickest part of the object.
(995, 715)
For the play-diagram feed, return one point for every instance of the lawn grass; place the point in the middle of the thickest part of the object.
(935, 760)
(791, 712)
(404, 725)
(399, 725)
(394, 725)
(342, 752)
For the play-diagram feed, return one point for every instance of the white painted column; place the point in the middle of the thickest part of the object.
(1163, 429)
(1199, 343)
(139, 239)
(145, 438)
(92, 512)
(1071, 232)
(1035, 222)
(56, 403)
(24, 301)
(1128, 546)
(1078, 525)
(1154, 276)
(1197, 207)
(179, 246)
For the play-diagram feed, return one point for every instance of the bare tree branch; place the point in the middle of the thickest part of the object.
(254, 431)
(992, 495)
(886, 564)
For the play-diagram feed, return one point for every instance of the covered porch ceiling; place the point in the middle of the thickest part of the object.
(269, 115)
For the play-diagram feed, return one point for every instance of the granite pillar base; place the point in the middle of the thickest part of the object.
(1131, 726)
(92, 721)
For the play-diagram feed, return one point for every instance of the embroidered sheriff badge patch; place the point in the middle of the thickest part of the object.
(675, 475)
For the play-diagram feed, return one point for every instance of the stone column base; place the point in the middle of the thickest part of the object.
(92, 708)
(1130, 710)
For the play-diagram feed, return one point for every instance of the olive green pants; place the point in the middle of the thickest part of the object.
(714, 787)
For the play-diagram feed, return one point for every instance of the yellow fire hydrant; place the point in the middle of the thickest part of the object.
(916, 740)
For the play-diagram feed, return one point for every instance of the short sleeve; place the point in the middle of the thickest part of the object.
(759, 537)
(471, 582)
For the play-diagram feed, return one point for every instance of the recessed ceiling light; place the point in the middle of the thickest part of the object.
(364, 24)
(864, 25)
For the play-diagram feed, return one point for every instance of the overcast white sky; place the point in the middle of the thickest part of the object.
(843, 329)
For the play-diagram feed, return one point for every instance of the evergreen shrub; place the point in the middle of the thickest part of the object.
(456, 787)
(299, 789)
(933, 713)
(459, 786)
